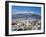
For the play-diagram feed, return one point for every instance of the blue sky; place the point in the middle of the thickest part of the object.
(23, 9)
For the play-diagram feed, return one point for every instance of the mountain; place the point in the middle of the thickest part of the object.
(26, 16)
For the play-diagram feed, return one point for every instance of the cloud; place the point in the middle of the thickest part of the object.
(22, 12)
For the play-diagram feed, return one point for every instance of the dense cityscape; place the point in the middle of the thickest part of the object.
(22, 24)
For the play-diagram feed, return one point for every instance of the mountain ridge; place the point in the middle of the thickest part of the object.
(26, 15)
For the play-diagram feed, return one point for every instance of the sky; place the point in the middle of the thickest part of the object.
(26, 9)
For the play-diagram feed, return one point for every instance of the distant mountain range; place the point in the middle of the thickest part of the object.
(26, 16)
